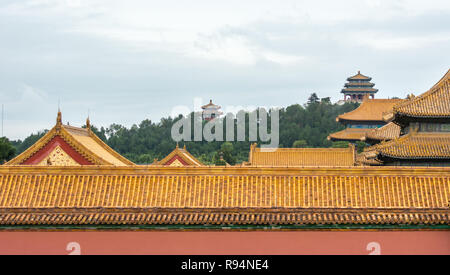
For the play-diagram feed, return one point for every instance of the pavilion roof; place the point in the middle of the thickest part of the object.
(370, 110)
(357, 90)
(387, 132)
(125, 196)
(181, 155)
(82, 140)
(349, 134)
(434, 103)
(415, 145)
(211, 105)
(359, 76)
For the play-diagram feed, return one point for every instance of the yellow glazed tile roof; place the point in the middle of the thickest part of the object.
(183, 154)
(146, 195)
(363, 160)
(387, 132)
(416, 146)
(350, 134)
(354, 89)
(370, 110)
(84, 141)
(286, 157)
(211, 105)
(359, 76)
(434, 104)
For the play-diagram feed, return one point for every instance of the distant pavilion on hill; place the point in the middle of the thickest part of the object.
(358, 87)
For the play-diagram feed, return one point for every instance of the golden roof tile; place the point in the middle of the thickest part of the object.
(415, 145)
(211, 105)
(359, 76)
(349, 134)
(435, 103)
(369, 110)
(146, 195)
(387, 132)
(184, 155)
(285, 157)
(83, 141)
(363, 159)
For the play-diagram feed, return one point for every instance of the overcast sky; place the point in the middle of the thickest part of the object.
(131, 60)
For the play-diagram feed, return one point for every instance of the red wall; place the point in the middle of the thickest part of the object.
(225, 243)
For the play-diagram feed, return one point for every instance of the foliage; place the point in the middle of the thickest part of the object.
(21, 146)
(7, 150)
(225, 155)
(340, 144)
(309, 124)
(300, 144)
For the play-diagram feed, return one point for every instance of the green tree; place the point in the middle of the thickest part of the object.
(313, 99)
(360, 146)
(7, 150)
(340, 144)
(141, 143)
(225, 155)
(300, 144)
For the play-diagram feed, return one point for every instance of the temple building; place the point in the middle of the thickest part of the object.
(211, 111)
(179, 158)
(357, 87)
(368, 116)
(66, 145)
(424, 123)
(302, 157)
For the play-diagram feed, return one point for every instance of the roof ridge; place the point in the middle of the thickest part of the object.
(109, 149)
(432, 90)
(33, 149)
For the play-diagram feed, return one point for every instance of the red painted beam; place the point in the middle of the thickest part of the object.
(47, 149)
(226, 243)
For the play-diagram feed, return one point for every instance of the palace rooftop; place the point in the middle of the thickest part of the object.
(388, 132)
(202, 197)
(66, 145)
(179, 158)
(371, 110)
(302, 157)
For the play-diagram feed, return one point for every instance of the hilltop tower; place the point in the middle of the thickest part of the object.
(358, 87)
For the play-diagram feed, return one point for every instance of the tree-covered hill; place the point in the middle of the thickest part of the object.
(305, 125)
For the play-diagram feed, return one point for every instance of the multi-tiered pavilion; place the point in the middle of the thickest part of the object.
(358, 87)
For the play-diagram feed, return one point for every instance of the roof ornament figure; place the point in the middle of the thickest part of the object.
(88, 124)
(88, 121)
(59, 120)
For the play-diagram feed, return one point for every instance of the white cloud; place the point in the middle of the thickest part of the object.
(128, 60)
